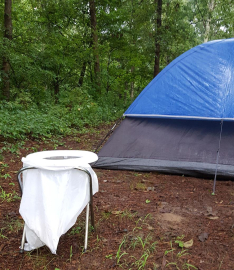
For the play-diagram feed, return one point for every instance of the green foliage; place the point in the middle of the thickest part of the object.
(21, 120)
(9, 197)
(212, 19)
(76, 230)
(53, 85)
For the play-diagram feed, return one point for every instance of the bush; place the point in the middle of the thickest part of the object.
(19, 120)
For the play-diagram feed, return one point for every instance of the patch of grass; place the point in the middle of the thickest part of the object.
(138, 248)
(140, 186)
(141, 262)
(5, 196)
(12, 147)
(40, 260)
(14, 225)
(3, 165)
(1, 234)
(9, 197)
(71, 254)
(128, 214)
(75, 230)
(106, 214)
(180, 261)
(130, 242)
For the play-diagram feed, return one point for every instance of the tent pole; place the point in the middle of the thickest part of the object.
(108, 134)
(217, 158)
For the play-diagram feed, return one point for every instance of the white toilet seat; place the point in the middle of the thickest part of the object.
(59, 159)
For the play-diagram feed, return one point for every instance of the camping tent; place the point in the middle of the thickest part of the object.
(183, 121)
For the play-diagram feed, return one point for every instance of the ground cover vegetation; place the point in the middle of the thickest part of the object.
(69, 64)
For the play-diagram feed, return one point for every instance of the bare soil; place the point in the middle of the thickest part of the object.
(143, 220)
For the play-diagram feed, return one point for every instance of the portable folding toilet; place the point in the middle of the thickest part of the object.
(183, 121)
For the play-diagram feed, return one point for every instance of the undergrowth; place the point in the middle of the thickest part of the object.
(19, 121)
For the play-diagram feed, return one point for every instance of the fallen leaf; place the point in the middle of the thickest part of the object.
(202, 237)
(116, 212)
(164, 262)
(188, 244)
(150, 228)
(209, 210)
(213, 218)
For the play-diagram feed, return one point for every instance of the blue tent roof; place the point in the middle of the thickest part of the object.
(197, 84)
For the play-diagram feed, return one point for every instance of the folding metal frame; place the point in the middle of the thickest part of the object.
(89, 205)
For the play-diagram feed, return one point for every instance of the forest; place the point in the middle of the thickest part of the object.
(69, 64)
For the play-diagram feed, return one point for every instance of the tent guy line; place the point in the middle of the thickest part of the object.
(217, 159)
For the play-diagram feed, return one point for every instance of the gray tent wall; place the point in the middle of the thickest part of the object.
(175, 146)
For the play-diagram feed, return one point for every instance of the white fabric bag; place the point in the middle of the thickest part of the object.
(54, 195)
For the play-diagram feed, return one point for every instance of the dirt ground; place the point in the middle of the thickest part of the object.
(143, 220)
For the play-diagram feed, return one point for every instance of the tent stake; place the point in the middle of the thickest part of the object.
(217, 159)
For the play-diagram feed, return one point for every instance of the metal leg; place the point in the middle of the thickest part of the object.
(92, 217)
(86, 228)
(91, 194)
(23, 240)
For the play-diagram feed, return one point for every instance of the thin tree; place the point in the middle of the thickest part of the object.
(93, 20)
(5, 62)
(157, 36)
(207, 22)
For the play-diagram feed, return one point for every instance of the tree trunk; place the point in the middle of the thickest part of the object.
(211, 6)
(82, 74)
(95, 40)
(157, 36)
(132, 85)
(56, 89)
(5, 60)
